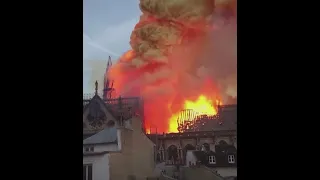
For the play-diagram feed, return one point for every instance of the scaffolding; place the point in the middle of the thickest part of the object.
(190, 121)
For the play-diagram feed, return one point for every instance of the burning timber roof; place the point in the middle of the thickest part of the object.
(226, 120)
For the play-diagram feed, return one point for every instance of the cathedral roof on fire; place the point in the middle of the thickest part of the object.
(226, 120)
(108, 135)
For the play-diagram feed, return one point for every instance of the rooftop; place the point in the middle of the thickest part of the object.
(108, 135)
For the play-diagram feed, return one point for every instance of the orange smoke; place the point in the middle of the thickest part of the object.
(165, 43)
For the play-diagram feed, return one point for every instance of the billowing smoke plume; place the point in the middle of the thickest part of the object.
(180, 49)
(219, 60)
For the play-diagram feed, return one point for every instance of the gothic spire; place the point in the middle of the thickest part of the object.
(109, 64)
(96, 89)
(108, 85)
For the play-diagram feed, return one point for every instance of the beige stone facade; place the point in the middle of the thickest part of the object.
(136, 159)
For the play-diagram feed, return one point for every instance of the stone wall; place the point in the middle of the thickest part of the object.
(136, 159)
(143, 150)
(121, 162)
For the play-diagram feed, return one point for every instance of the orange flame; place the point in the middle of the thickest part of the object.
(201, 106)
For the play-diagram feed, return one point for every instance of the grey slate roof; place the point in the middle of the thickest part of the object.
(108, 135)
(221, 156)
(87, 135)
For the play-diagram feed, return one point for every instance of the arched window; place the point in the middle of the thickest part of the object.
(172, 152)
(187, 148)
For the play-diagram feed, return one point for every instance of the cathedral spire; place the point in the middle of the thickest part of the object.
(108, 87)
(109, 64)
(96, 88)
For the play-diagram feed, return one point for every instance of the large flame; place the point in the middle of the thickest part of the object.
(167, 44)
(202, 106)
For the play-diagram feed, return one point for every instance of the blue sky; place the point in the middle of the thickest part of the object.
(107, 25)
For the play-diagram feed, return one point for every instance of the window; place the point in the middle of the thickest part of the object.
(231, 159)
(212, 160)
(89, 149)
(87, 172)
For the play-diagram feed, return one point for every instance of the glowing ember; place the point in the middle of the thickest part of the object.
(201, 106)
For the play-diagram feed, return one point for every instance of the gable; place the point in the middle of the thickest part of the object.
(96, 115)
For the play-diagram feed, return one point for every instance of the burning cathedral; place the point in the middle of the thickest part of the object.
(214, 133)
(162, 82)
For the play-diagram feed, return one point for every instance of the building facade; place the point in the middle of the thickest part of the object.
(114, 142)
(172, 147)
(213, 143)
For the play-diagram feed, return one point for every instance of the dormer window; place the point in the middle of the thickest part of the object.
(231, 159)
(89, 149)
(212, 160)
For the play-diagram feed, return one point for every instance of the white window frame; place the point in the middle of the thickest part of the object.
(212, 160)
(231, 159)
(87, 170)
